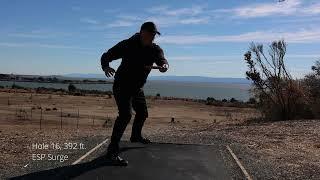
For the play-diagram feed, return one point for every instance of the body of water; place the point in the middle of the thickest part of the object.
(199, 90)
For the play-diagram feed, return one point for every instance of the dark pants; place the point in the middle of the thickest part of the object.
(126, 99)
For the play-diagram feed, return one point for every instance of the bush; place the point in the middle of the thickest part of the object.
(14, 86)
(210, 101)
(280, 97)
(78, 94)
(252, 101)
(233, 100)
(72, 88)
(40, 79)
(312, 84)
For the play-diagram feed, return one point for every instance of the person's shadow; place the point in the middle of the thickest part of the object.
(71, 171)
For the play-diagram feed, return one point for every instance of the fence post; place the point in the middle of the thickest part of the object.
(20, 116)
(93, 121)
(78, 119)
(61, 119)
(31, 114)
(40, 118)
(24, 114)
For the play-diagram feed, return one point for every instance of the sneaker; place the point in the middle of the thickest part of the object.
(140, 140)
(116, 160)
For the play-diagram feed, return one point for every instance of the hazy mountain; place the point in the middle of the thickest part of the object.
(79, 75)
(200, 79)
(171, 78)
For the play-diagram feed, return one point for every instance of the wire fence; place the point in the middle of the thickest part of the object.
(58, 118)
(19, 111)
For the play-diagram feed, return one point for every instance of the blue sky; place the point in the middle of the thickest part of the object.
(200, 38)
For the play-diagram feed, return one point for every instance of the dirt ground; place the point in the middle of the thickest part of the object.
(272, 150)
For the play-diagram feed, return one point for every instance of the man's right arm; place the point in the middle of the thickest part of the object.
(116, 52)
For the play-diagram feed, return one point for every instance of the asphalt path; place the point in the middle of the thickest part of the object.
(156, 161)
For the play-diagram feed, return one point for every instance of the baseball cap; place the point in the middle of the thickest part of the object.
(150, 26)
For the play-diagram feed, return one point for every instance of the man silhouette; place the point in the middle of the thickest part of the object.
(138, 54)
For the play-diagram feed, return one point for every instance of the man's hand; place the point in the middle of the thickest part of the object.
(109, 71)
(164, 68)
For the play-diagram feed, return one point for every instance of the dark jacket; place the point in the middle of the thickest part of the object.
(135, 57)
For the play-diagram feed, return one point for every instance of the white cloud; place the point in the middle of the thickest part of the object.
(281, 8)
(30, 35)
(163, 21)
(165, 16)
(89, 21)
(111, 10)
(76, 8)
(162, 16)
(121, 23)
(39, 34)
(198, 14)
(166, 21)
(165, 10)
(120, 20)
(195, 20)
(302, 36)
(285, 8)
(312, 9)
(41, 45)
(129, 17)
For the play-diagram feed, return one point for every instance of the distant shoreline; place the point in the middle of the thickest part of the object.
(232, 102)
(61, 82)
(198, 90)
(101, 79)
